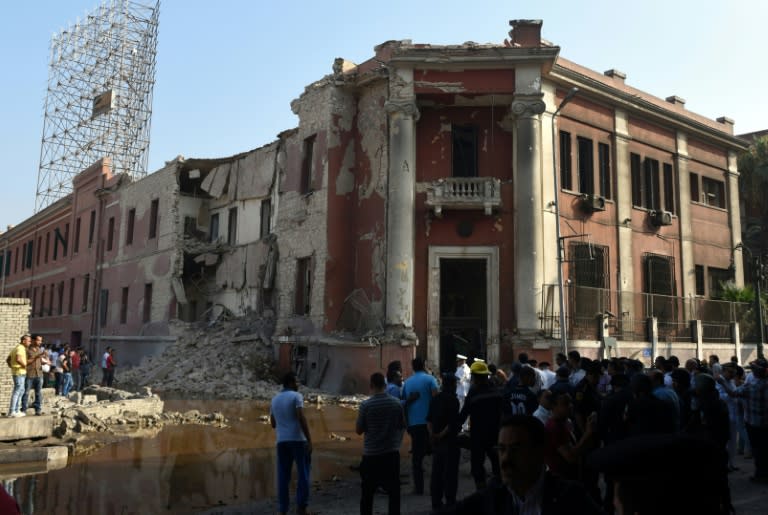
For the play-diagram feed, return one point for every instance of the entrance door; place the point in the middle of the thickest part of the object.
(76, 339)
(463, 309)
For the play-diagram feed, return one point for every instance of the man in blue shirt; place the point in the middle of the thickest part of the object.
(418, 391)
(294, 443)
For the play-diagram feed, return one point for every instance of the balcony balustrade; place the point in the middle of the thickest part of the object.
(464, 193)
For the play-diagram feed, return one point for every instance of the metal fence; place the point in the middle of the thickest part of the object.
(628, 313)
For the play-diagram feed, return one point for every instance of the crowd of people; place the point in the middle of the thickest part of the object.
(35, 365)
(606, 436)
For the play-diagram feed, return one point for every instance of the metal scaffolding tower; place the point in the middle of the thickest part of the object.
(99, 98)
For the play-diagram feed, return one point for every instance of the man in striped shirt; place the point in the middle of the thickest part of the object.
(381, 419)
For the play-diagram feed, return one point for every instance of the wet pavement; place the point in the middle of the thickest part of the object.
(190, 468)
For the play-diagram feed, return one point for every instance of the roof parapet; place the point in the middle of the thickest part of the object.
(615, 74)
(675, 100)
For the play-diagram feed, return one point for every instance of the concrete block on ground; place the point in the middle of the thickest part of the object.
(24, 428)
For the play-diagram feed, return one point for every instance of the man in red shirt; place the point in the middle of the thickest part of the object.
(564, 451)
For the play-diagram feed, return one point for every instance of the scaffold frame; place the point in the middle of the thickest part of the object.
(98, 102)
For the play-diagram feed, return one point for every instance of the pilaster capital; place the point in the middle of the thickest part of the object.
(404, 107)
(527, 106)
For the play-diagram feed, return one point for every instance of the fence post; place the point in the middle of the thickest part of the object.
(697, 338)
(652, 325)
(736, 338)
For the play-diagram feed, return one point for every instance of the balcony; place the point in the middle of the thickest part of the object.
(464, 193)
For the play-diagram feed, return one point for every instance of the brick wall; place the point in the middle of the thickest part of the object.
(14, 322)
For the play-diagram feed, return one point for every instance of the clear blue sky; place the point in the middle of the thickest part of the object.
(228, 70)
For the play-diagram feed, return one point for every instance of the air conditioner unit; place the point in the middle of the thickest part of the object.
(660, 217)
(591, 202)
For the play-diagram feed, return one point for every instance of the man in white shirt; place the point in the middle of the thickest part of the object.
(549, 376)
(577, 373)
(463, 382)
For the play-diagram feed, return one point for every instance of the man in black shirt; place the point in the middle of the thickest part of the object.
(483, 404)
(443, 428)
(519, 399)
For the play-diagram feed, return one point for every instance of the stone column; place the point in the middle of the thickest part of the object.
(734, 214)
(625, 276)
(687, 261)
(526, 109)
(401, 187)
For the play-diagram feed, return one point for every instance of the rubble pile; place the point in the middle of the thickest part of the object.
(88, 419)
(229, 359)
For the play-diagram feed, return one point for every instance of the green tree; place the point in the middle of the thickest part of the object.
(753, 190)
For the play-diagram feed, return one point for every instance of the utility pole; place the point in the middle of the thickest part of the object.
(563, 330)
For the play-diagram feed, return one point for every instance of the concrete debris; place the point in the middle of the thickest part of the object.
(230, 359)
(111, 413)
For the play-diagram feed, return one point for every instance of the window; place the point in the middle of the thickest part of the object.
(659, 275)
(65, 241)
(590, 265)
(566, 182)
(124, 306)
(110, 232)
(651, 189)
(648, 191)
(47, 246)
(695, 196)
(39, 247)
(303, 286)
(2, 263)
(214, 227)
(77, 236)
(464, 150)
(604, 169)
(42, 301)
(232, 226)
(29, 253)
(637, 180)
(86, 286)
(714, 192)
(153, 218)
(16, 261)
(8, 262)
(190, 225)
(586, 165)
(307, 166)
(103, 307)
(50, 299)
(91, 228)
(129, 227)
(589, 273)
(700, 280)
(34, 301)
(147, 316)
(56, 239)
(266, 215)
(60, 293)
(71, 295)
(669, 188)
(717, 277)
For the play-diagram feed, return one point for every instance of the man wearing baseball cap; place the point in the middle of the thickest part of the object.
(483, 405)
(755, 395)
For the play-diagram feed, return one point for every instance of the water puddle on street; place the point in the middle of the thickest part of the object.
(187, 469)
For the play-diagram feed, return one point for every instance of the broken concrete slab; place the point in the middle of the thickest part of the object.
(24, 428)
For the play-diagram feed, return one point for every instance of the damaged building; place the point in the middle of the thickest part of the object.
(414, 210)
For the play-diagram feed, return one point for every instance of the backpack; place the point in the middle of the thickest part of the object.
(9, 359)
